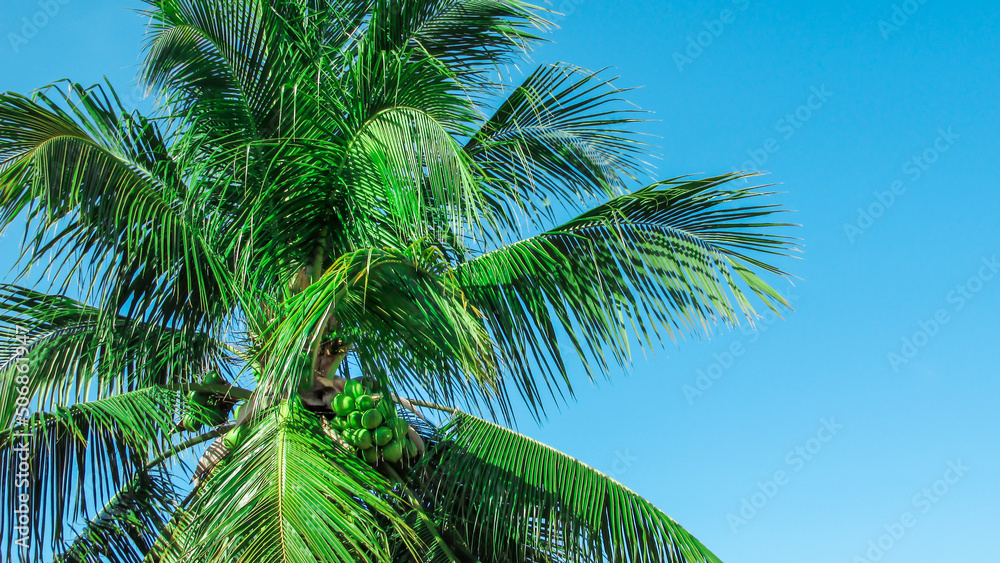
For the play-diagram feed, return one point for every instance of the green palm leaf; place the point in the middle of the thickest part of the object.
(126, 528)
(98, 187)
(303, 497)
(509, 494)
(469, 36)
(103, 441)
(74, 352)
(406, 317)
(415, 175)
(674, 256)
(558, 138)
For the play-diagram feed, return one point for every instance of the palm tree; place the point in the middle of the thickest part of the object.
(328, 188)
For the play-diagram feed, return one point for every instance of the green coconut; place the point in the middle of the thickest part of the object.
(370, 456)
(199, 399)
(354, 420)
(343, 404)
(354, 388)
(191, 423)
(364, 402)
(213, 378)
(382, 435)
(351, 436)
(363, 438)
(394, 451)
(371, 419)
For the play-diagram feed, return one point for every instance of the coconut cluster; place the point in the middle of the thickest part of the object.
(370, 424)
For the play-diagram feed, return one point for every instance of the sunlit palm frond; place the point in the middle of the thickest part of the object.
(99, 190)
(413, 181)
(469, 36)
(72, 449)
(673, 257)
(289, 493)
(406, 318)
(508, 494)
(67, 351)
(560, 138)
(126, 528)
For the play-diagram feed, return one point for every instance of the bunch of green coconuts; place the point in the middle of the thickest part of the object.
(365, 420)
(370, 423)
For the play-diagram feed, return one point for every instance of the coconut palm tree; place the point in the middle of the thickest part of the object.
(345, 218)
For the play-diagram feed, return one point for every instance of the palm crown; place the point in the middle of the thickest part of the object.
(335, 186)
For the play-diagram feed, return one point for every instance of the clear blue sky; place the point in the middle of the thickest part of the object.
(841, 111)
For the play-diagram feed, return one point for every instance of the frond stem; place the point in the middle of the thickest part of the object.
(201, 439)
(435, 406)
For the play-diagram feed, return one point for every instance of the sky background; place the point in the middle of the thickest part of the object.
(840, 110)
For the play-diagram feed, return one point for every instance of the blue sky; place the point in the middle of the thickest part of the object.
(871, 410)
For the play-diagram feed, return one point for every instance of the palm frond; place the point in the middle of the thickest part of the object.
(126, 528)
(74, 352)
(469, 36)
(99, 190)
(216, 58)
(80, 456)
(299, 495)
(509, 494)
(560, 138)
(409, 322)
(413, 181)
(673, 257)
